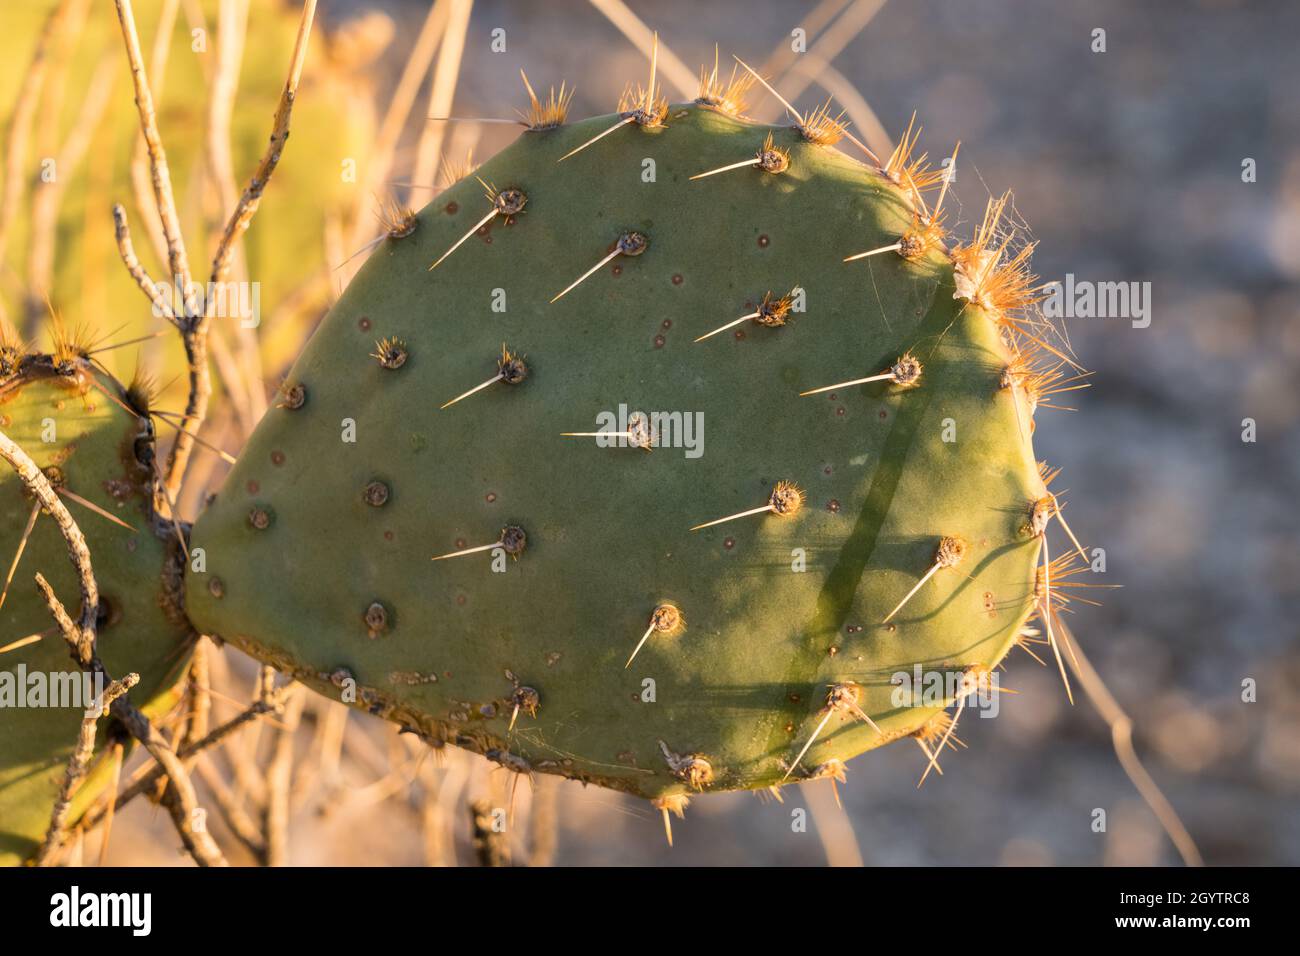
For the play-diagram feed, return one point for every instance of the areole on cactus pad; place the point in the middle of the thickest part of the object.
(863, 425)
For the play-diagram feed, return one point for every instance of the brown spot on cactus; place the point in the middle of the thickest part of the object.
(1040, 513)
(816, 126)
(923, 235)
(772, 312)
(786, 500)
(376, 618)
(726, 97)
(911, 246)
(665, 619)
(398, 221)
(506, 202)
(630, 243)
(638, 435)
(12, 351)
(912, 173)
(376, 493)
(295, 396)
(259, 518)
(769, 159)
(694, 770)
(549, 114)
(511, 369)
(1038, 381)
(513, 540)
(391, 353)
(643, 106)
(975, 678)
(526, 699)
(843, 698)
(905, 373)
(820, 127)
(948, 554)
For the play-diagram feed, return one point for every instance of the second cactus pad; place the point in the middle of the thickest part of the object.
(94, 439)
(581, 300)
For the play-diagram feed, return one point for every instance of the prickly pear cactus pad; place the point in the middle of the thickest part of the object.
(95, 443)
(439, 413)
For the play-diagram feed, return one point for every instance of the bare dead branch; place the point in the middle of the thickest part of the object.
(631, 26)
(442, 91)
(279, 777)
(200, 700)
(543, 822)
(1121, 732)
(197, 326)
(784, 55)
(180, 801)
(237, 819)
(491, 846)
(828, 46)
(117, 753)
(215, 736)
(77, 766)
(36, 482)
(177, 259)
(80, 636)
(252, 197)
(833, 825)
(141, 184)
(126, 249)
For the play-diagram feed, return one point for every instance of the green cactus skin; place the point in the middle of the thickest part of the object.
(101, 452)
(745, 683)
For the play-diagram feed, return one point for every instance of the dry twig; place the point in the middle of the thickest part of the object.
(1121, 732)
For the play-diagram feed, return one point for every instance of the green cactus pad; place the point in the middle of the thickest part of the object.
(70, 419)
(318, 548)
